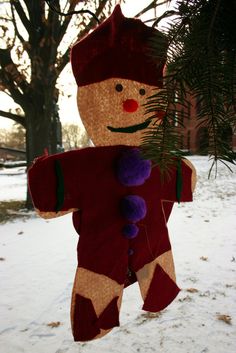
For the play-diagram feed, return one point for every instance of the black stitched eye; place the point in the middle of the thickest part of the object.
(119, 87)
(142, 91)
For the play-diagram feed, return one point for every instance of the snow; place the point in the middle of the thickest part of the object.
(12, 184)
(38, 261)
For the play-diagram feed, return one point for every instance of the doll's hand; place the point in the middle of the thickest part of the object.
(194, 174)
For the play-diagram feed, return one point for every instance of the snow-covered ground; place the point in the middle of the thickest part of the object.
(38, 260)
(12, 184)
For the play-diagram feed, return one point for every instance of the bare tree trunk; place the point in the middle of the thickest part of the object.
(43, 135)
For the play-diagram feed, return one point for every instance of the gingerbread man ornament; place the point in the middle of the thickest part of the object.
(120, 204)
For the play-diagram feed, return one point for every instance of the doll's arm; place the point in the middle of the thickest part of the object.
(193, 175)
(55, 184)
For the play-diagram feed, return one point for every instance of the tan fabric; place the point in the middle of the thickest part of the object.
(100, 105)
(98, 288)
(48, 215)
(145, 274)
(194, 173)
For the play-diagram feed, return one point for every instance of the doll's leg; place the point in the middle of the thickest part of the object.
(95, 305)
(157, 283)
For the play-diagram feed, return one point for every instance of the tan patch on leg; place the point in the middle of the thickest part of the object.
(145, 274)
(98, 288)
(167, 263)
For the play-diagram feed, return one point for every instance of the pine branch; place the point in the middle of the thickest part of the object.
(161, 141)
(201, 60)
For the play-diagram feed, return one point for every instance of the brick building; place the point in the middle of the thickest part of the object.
(195, 138)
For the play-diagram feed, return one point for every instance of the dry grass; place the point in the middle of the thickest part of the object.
(54, 324)
(9, 210)
(192, 290)
(204, 258)
(226, 318)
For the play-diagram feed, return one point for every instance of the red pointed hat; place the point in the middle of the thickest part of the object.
(117, 48)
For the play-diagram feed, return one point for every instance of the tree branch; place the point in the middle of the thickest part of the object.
(151, 6)
(21, 13)
(15, 26)
(16, 95)
(66, 56)
(65, 23)
(19, 119)
(10, 74)
(36, 11)
(53, 24)
(5, 19)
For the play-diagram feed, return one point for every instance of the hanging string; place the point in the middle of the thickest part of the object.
(70, 13)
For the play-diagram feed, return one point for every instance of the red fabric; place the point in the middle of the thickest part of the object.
(84, 328)
(91, 185)
(130, 278)
(162, 291)
(110, 316)
(86, 324)
(117, 48)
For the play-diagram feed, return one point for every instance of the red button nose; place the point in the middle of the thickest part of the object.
(130, 105)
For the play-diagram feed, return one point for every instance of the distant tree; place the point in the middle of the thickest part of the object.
(17, 137)
(73, 136)
(4, 138)
(14, 138)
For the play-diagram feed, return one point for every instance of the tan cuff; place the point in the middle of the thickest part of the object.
(48, 215)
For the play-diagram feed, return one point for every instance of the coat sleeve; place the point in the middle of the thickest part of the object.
(57, 183)
(180, 184)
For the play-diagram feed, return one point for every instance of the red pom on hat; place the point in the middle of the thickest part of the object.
(118, 48)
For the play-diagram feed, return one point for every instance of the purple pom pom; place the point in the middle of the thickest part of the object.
(130, 231)
(133, 208)
(132, 169)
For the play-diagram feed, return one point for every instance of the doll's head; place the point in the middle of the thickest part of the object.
(115, 75)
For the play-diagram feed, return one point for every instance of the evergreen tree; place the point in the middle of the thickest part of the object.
(201, 60)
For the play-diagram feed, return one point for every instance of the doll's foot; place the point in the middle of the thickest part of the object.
(157, 283)
(95, 305)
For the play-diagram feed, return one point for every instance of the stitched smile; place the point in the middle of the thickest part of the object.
(130, 129)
